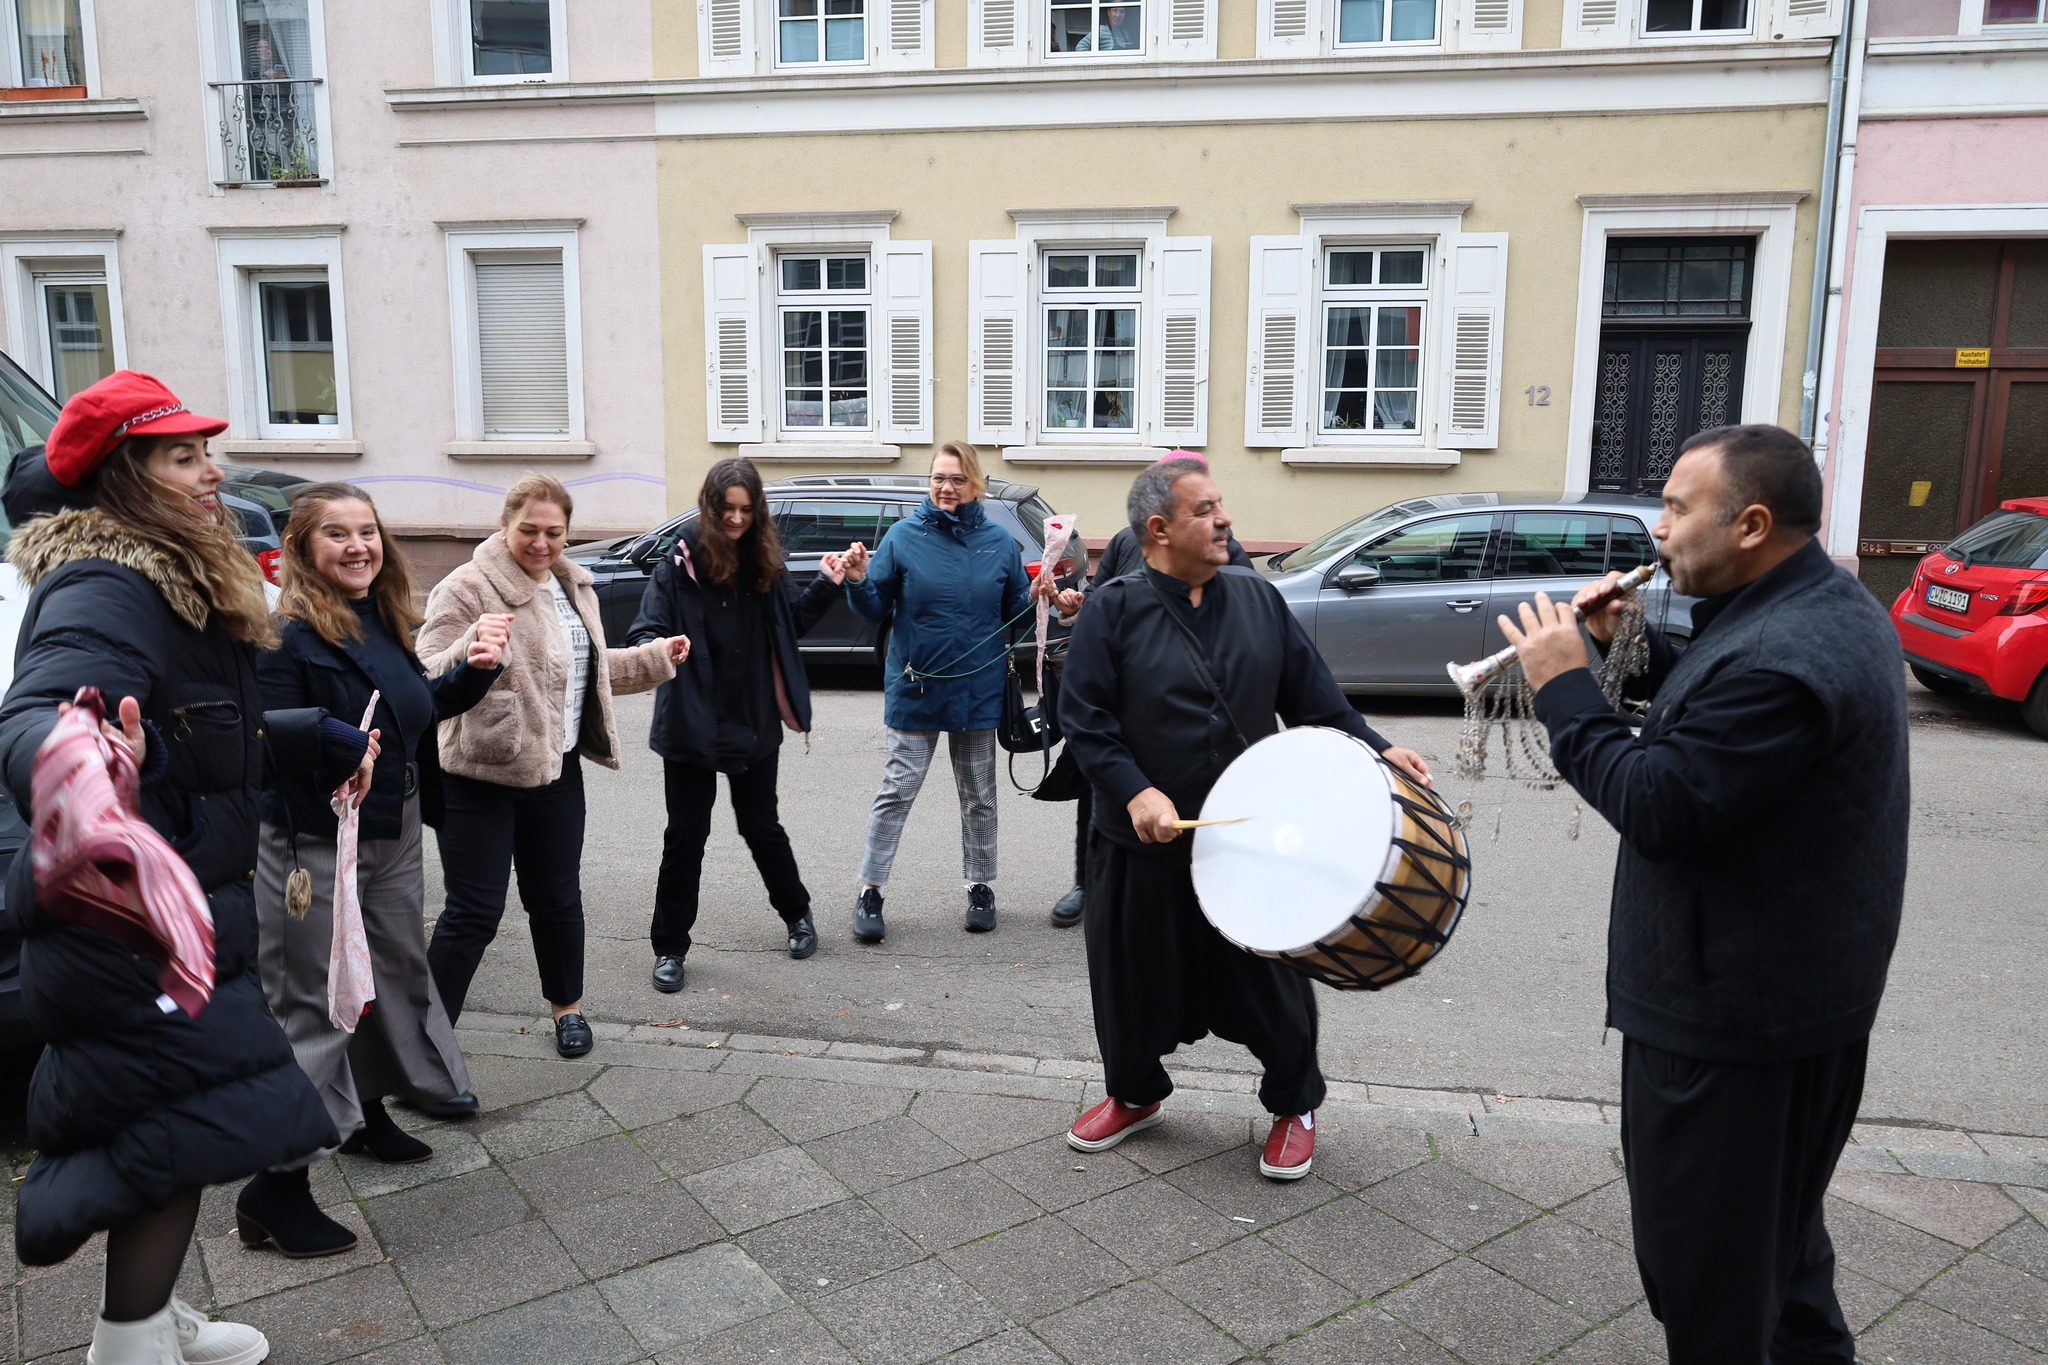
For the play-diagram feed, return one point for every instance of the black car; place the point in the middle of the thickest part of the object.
(814, 515)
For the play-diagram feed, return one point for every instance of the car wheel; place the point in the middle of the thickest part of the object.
(2034, 710)
(1939, 685)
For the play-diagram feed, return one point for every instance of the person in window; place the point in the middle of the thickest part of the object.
(513, 762)
(724, 587)
(142, 589)
(1115, 34)
(273, 133)
(950, 583)
(347, 620)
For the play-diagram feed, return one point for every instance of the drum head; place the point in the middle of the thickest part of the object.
(1320, 834)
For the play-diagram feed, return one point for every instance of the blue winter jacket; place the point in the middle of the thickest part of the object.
(950, 580)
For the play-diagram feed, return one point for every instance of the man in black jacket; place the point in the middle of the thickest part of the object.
(1757, 893)
(1172, 671)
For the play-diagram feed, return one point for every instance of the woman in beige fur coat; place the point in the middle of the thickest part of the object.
(512, 769)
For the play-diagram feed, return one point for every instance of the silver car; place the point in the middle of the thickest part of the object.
(1393, 597)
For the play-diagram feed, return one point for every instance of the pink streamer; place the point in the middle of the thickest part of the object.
(1059, 531)
(350, 985)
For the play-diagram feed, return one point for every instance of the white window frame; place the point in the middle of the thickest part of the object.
(464, 242)
(12, 58)
(1341, 48)
(246, 256)
(1309, 28)
(454, 63)
(1770, 216)
(743, 38)
(1328, 296)
(1694, 35)
(1018, 33)
(221, 62)
(27, 259)
(1093, 297)
(824, 302)
(868, 34)
(1970, 24)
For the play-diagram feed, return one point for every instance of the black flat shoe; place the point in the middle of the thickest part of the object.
(1066, 911)
(668, 975)
(277, 1207)
(867, 916)
(981, 908)
(803, 937)
(572, 1036)
(462, 1106)
(379, 1137)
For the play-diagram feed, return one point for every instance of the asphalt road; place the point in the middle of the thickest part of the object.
(1513, 1005)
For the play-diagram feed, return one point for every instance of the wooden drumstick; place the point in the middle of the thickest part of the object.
(1203, 824)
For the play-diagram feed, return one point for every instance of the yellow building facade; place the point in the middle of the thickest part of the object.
(1353, 250)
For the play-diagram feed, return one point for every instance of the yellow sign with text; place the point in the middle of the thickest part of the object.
(1979, 359)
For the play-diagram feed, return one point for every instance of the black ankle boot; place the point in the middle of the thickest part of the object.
(383, 1139)
(277, 1207)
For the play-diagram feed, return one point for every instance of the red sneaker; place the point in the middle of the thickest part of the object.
(1290, 1149)
(1109, 1123)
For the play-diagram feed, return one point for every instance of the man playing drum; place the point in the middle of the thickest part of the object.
(1757, 892)
(1173, 670)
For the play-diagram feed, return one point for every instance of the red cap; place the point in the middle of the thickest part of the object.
(97, 419)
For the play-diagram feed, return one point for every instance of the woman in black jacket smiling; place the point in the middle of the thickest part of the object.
(347, 616)
(724, 587)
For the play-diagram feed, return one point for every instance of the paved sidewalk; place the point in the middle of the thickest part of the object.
(684, 1196)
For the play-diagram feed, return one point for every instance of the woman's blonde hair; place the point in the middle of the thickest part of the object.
(205, 543)
(970, 464)
(308, 594)
(532, 489)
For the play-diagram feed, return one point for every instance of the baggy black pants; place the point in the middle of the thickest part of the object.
(1727, 1166)
(691, 791)
(1160, 976)
(484, 824)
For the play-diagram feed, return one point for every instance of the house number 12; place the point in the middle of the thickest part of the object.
(1539, 395)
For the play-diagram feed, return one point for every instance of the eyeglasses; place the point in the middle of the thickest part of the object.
(951, 480)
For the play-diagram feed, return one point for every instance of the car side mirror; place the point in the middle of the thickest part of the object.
(640, 551)
(1357, 577)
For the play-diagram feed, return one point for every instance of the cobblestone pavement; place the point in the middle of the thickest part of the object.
(691, 1196)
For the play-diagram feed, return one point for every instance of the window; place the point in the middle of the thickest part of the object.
(1374, 299)
(77, 331)
(1091, 341)
(295, 342)
(1695, 16)
(1095, 26)
(269, 118)
(1385, 21)
(46, 40)
(522, 344)
(1549, 544)
(2012, 11)
(510, 38)
(287, 352)
(1629, 546)
(816, 528)
(62, 299)
(823, 303)
(1447, 550)
(820, 31)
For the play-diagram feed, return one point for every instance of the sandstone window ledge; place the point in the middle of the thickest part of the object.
(519, 450)
(288, 450)
(36, 110)
(834, 452)
(1371, 457)
(1077, 454)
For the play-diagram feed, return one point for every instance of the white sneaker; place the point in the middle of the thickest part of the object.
(201, 1341)
(152, 1341)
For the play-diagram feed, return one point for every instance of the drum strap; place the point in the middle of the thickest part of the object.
(1201, 664)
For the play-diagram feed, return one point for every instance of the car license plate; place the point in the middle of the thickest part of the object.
(1949, 599)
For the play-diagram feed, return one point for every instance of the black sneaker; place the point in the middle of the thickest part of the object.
(1066, 911)
(981, 908)
(572, 1036)
(867, 916)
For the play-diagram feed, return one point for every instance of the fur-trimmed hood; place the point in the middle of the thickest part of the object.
(47, 544)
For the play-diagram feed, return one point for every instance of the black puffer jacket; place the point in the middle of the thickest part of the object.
(131, 1105)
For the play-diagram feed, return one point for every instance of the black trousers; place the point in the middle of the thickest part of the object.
(485, 822)
(1160, 976)
(1727, 1166)
(1083, 818)
(691, 791)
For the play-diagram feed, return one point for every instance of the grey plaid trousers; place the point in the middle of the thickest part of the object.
(908, 757)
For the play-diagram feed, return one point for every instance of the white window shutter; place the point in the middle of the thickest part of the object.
(998, 342)
(1490, 25)
(903, 273)
(522, 334)
(1180, 355)
(726, 45)
(1477, 304)
(1187, 29)
(1282, 344)
(902, 34)
(1805, 18)
(732, 343)
(1291, 28)
(1000, 32)
(1599, 23)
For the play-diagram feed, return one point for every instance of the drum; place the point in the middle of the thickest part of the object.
(1341, 866)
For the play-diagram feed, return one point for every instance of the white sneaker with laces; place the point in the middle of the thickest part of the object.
(202, 1341)
(152, 1341)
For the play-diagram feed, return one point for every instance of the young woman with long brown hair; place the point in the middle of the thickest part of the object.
(724, 587)
(347, 627)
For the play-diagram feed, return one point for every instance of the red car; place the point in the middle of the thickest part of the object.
(1976, 617)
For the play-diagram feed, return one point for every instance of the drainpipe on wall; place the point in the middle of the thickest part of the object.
(1831, 250)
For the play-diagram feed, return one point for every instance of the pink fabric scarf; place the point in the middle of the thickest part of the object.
(351, 985)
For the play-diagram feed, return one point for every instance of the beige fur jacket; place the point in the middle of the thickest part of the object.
(514, 735)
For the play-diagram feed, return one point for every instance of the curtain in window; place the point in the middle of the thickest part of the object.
(52, 42)
(276, 39)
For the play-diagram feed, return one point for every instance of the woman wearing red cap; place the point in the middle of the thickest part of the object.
(142, 590)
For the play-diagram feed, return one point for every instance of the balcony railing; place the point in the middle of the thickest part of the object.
(269, 134)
